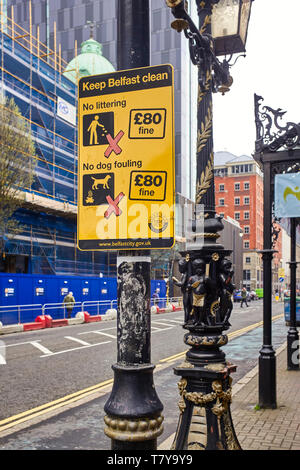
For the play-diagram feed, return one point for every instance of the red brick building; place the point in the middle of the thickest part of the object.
(239, 195)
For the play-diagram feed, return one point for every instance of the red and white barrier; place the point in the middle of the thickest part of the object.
(168, 308)
(46, 321)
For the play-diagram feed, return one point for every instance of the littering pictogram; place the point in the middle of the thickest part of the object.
(93, 130)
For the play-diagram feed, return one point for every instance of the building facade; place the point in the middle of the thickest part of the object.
(65, 24)
(64, 27)
(32, 75)
(239, 195)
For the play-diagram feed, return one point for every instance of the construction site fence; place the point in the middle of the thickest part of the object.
(20, 314)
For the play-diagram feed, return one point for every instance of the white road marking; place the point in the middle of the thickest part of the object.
(100, 332)
(78, 340)
(41, 348)
(19, 344)
(94, 331)
(75, 349)
(163, 329)
(176, 321)
(164, 324)
(2, 360)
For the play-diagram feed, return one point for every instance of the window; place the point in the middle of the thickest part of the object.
(221, 187)
(246, 186)
(221, 202)
(246, 215)
(248, 260)
(236, 201)
(236, 186)
(241, 169)
(247, 229)
(221, 172)
(246, 245)
(156, 20)
(237, 216)
(246, 274)
(246, 200)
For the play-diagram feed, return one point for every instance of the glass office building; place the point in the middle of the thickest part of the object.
(67, 23)
(31, 74)
(61, 26)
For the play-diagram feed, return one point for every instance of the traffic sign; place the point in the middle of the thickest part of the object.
(126, 160)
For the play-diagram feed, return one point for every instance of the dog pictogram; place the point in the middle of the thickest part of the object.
(95, 188)
(101, 181)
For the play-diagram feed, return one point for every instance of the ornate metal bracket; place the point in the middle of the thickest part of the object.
(201, 49)
(270, 135)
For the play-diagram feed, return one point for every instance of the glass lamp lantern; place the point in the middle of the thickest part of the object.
(230, 19)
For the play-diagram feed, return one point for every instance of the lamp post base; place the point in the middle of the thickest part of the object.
(205, 421)
(133, 420)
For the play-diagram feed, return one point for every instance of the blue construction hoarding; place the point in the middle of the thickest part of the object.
(31, 289)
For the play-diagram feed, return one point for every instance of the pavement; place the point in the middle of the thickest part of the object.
(265, 429)
(79, 425)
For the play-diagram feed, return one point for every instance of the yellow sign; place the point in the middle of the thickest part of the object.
(281, 272)
(126, 160)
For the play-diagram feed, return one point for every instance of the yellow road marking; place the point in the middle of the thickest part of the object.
(68, 399)
(232, 335)
(47, 407)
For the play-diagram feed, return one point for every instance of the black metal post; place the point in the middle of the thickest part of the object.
(267, 358)
(133, 419)
(293, 336)
(205, 386)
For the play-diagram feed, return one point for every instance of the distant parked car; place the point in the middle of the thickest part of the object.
(237, 296)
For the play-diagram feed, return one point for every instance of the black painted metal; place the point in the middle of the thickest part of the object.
(293, 336)
(133, 44)
(133, 409)
(205, 386)
(270, 137)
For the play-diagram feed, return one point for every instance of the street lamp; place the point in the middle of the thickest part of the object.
(229, 23)
(205, 385)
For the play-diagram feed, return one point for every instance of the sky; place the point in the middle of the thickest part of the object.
(271, 69)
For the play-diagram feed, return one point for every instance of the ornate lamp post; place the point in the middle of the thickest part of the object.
(277, 152)
(205, 419)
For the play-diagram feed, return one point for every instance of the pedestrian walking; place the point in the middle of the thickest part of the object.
(69, 301)
(244, 297)
(155, 297)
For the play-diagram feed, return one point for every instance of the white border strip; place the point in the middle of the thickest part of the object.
(133, 259)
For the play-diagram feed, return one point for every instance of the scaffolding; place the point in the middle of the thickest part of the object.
(35, 90)
(32, 74)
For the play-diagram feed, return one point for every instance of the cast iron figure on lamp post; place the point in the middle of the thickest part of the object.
(205, 387)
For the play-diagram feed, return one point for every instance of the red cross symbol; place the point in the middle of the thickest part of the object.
(113, 205)
(113, 144)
